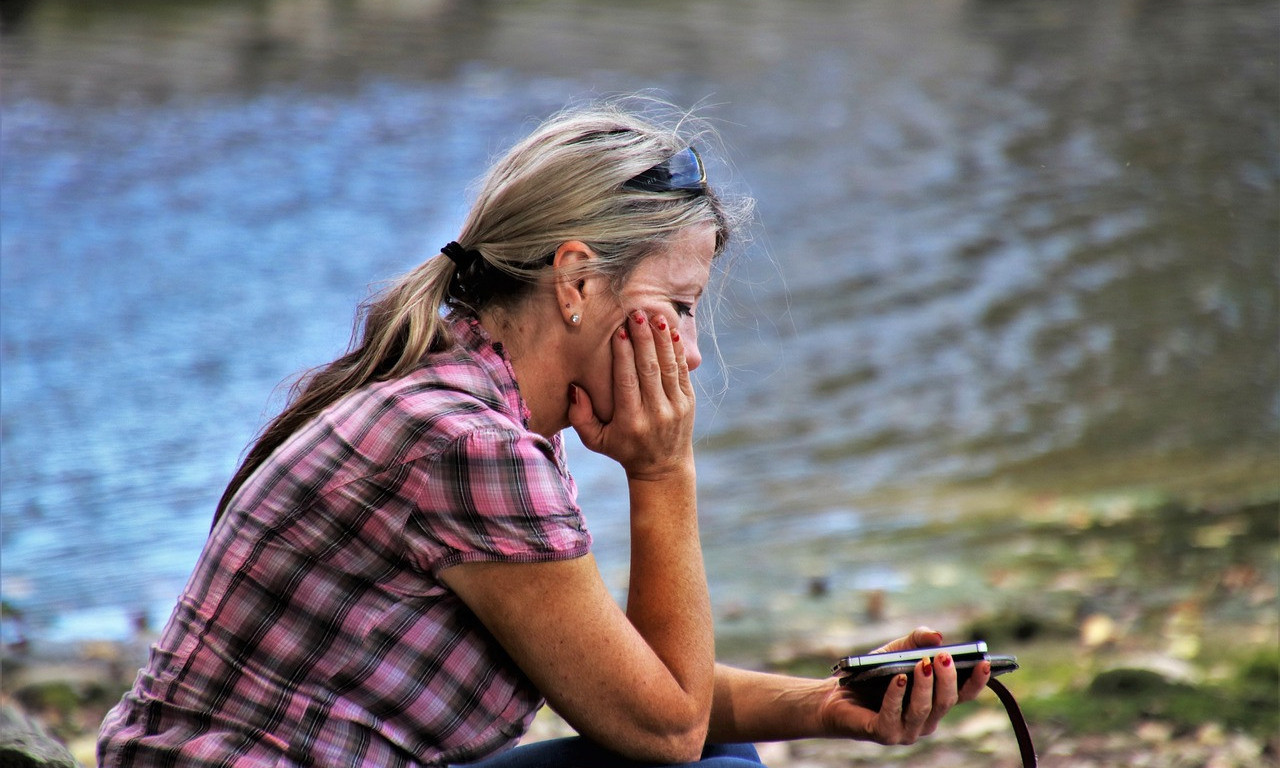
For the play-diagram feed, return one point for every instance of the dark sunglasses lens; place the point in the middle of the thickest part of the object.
(682, 170)
(686, 170)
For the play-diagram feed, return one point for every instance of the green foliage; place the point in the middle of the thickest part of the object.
(57, 695)
(1010, 627)
(1118, 699)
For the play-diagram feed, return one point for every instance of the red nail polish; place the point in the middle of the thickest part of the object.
(901, 681)
(661, 322)
(638, 318)
(573, 394)
(927, 670)
(675, 336)
(946, 659)
(622, 334)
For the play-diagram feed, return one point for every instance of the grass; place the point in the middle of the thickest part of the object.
(1119, 699)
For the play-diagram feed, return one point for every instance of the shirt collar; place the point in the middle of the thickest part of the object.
(491, 355)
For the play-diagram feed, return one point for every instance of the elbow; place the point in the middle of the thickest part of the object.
(686, 747)
(670, 736)
(671, 748)
(679, 740)
(646, 724)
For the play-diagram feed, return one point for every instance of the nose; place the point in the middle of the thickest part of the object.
(689, 337)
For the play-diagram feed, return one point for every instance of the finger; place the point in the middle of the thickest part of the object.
(582, 417)
(668, 363)
(975, 684)
(686, 381)
(944, 691)
(920, 637)
(626, 382)
(645, 356)
(887, 726)
(920, 702)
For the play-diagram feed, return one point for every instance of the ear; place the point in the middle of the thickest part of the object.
(573, 279)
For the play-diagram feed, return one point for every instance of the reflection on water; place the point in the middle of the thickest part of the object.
(1004, 246)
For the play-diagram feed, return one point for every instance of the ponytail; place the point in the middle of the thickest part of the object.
(401, 325)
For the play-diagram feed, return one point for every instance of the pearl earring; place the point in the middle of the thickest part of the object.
(575, 318)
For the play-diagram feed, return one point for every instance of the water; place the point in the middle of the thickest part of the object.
(1006, 249)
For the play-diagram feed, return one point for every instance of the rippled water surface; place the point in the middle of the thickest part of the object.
(1003, 246)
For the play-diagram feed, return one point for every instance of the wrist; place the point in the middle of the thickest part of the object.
(826, 694)
(663, 503)
(675, 471)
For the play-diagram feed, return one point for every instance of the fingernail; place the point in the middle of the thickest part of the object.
(661, 322)
(573, 393)
(945, 658)
(622, 333)
(927, 670)
(901, 680)
(675, 336)
(638, 318)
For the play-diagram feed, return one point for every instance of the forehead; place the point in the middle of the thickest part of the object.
(683, 267)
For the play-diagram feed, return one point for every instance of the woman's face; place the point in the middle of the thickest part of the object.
(668, 283)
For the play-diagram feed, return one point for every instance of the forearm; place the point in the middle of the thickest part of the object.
(667, 600)
(758, 706)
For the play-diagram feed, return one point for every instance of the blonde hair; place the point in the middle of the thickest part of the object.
(564, 181)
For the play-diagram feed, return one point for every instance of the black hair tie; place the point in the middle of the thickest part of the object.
(461, 257)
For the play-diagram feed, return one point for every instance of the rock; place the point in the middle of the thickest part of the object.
(1097, 630)
(982, 724)
(24, 744)
(1130, 683)
(1154, 732)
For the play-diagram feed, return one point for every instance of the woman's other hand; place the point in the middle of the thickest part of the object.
(651, 431)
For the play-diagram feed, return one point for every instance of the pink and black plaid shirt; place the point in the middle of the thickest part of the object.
(315, 631)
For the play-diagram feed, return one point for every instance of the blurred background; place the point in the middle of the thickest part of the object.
(999, 357)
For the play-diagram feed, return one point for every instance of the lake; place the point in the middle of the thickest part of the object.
(1007, 252)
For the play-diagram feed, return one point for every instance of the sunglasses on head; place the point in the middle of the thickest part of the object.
(683, 171)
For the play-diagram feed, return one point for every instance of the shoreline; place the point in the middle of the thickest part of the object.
(68, 695)
(1118, 666)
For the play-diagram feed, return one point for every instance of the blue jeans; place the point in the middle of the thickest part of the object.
(577, 752)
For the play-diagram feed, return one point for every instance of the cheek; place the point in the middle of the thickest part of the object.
(599, 379)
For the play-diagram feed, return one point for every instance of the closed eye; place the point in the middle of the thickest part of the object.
(682, 308)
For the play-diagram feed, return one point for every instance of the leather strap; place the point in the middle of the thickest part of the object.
(1020, 729)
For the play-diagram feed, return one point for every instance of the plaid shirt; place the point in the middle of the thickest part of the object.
(315, 629)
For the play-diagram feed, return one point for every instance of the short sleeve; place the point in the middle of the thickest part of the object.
(496, 495)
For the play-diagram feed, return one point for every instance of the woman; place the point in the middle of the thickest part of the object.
(399, 574)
